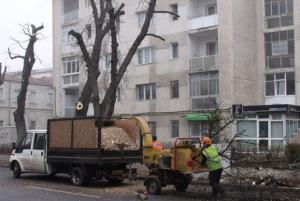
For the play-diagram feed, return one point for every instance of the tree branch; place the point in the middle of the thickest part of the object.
(167, 12)
(81, 44)
(16, 56)
(156, 36)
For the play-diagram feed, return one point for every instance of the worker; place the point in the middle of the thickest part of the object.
(157, 145)
(212, 160)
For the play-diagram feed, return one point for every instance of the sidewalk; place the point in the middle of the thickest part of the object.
(4, 160)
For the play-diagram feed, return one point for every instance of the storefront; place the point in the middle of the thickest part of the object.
(265, 127)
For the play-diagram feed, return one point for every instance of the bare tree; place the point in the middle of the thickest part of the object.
(108, 14)
(2, 75)
(28, 62)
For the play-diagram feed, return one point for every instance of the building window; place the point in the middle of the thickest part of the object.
(50, 98)
(1, 95)
(174, 50)
(70, 70)
(279, 13)
(174, 89)
(70, 10)
(175, 128)
(1, 123)
(280, 49)
(146, 91)
(89, 31)
(174, 9)
(32, 97)
(16, 93)
(198, 128)
(87, 3)
(211, 48)
(280, 84)
(108, 59)
(32, 125)
(145, 55)
(152, 125)
(211, 9)
(141, 18)
(67, 39)
(204, 88)
(119, 94)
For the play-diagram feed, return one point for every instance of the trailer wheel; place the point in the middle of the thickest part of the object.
(77, 176)
(16, 170)
(153, 186)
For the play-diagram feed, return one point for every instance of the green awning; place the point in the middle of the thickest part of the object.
(196, 117)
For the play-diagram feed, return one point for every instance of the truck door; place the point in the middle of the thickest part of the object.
(38, 153)
(25, 153)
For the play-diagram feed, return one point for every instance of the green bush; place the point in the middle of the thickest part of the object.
(293, 153)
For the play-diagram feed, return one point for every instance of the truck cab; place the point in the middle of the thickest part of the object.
(30, 156)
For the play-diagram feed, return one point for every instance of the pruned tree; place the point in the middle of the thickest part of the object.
(2, 75)
(28, 58)
(105, 20)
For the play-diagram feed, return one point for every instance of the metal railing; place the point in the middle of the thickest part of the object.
(204, 63)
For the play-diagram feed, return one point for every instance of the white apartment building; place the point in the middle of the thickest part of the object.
(217, 53)
(39, 102)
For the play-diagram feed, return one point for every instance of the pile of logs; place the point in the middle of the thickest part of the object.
(115, 138)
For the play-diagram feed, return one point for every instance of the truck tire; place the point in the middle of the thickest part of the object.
(16, 169)
(77, 177)
(153, 186)
(181, 187)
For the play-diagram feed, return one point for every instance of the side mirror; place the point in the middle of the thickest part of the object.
(13, 145)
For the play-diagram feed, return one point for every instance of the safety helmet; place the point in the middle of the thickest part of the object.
(206, 140)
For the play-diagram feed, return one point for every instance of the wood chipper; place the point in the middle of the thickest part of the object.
(172, 166)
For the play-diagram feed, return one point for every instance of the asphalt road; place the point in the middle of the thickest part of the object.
(42, 188)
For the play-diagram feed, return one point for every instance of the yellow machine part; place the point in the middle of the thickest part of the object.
(183, 156)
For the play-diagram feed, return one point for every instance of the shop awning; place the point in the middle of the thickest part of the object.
(196, 117)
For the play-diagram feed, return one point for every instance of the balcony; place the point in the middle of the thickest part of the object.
(203, 22)
(204, 63)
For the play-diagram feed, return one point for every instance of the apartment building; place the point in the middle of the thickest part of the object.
(39, 102)
(218, 53)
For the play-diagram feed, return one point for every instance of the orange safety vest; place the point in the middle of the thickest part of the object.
(157, 145)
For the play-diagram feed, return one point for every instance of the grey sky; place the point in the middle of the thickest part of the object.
(15, 12)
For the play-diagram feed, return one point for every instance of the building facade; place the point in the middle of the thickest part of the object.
(217, 53)
(39, 102)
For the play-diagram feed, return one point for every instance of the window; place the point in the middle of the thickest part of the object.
(32, 97)
(279, 13)
(197, 128)
(89, 31)
(279, 49)
(145, 55)
(204, 90)
(141, 18)
(32, 125)
(211, 48)
(16, 93)
(174, 50)
(70, 10)
(1, 123)
(280, 84)
(1, 95)
(119, 94)
(174, 9)
(27, 141)
(70, 70)
(146, 91)
(211, 9)
(175, 128)
(174, 89)
(67, 39)
(39, 141)
(108, 59)
(87, 3)
(152, 125)
(50, 98)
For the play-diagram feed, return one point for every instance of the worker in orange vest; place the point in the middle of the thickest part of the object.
(157, 145)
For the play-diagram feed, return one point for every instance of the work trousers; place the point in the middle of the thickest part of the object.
(214, 180)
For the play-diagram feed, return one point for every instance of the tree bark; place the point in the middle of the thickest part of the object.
(2, 75)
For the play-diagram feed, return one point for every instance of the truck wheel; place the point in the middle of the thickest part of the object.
(181, 187)
(77, 177)
(16, 170)
(114, 181)
(153, 186)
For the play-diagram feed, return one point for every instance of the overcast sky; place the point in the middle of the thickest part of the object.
(15, 12)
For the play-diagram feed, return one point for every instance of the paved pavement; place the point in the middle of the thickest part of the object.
(41, 188)
(4, 160)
